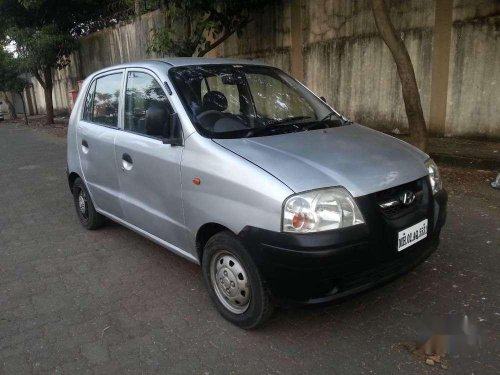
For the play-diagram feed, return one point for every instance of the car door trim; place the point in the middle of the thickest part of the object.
(152, 237)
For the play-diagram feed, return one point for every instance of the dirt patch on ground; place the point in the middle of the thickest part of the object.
(58, 129)
(459, 181)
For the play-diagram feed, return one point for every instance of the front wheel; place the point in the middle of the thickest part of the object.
(234, 283)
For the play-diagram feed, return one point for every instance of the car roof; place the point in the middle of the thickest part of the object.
(179, 61)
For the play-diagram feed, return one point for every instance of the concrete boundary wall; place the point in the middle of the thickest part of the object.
(473, 97)
(334, 48)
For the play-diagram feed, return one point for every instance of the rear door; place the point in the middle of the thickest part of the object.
(149, 175)
(96, 133)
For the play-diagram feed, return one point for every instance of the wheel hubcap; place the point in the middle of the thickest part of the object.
(230, 282)
(82, 204)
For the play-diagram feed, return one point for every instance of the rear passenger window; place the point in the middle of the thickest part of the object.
(143, 92)
(101, 104)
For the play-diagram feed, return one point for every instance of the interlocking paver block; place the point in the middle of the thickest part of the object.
(109, 301)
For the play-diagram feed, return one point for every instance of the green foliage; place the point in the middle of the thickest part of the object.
(45, 32)
(42, 47)
(198, 26)
(74, 17)
(10, 71)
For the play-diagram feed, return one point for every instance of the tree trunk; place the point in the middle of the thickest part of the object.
(10, 106)
(47, 90)
(49, 106)
(411, 96)
(137, 7)
(24, 108)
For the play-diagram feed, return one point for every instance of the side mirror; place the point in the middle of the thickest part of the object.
(155, 121)
(173, 131)
(159, 123)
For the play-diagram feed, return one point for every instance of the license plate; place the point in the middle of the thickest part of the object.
(412, 235)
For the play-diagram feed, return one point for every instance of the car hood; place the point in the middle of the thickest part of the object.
(356, 157)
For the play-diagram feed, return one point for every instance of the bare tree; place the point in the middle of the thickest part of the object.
(411, 96)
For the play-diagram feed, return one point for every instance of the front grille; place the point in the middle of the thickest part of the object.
(392, 196)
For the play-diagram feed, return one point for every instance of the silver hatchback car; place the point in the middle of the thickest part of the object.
(238, 167)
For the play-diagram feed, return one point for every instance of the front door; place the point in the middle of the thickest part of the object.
(149, 175)
(96, 133)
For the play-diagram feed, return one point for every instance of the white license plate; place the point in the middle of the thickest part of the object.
(412, 235)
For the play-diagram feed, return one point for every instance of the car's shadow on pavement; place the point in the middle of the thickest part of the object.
(357, 309)
(360, 329)
(111, 301)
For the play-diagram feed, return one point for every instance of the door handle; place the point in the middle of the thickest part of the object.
(85, 146)
(127, 162)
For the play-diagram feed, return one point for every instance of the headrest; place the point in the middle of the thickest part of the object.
(214, 100)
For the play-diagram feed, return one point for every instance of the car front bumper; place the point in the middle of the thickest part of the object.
(320, 267)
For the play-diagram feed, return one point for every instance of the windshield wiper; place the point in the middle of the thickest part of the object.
(320, 124)
(255, 132)
(286, 124)
(290, 123)
(287, 120)
(333, 113)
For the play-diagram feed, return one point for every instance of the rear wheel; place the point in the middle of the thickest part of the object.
(89, 217)
(234, 283)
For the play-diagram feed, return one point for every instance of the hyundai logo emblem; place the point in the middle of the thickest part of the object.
(407, 198)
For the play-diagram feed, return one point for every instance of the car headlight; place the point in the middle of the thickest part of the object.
(320, 210)
(434, 177)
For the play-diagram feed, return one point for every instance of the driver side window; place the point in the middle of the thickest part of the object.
(142, 92)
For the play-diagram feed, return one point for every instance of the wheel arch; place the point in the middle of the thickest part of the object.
(204, 233)
(71, 180)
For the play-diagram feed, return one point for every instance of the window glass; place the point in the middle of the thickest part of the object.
(274, 98)
(233, 101)
(87, 111)
(230, 91)
(106, 98)
(143, 92)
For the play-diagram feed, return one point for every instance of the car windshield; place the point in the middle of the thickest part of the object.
(237, 101)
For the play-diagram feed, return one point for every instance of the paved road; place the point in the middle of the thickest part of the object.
(109, 301)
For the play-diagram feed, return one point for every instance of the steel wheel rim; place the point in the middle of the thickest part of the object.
(230, 282)
(83, 204)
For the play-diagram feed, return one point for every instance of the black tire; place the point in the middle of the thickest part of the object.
(259, 308)
(90, 218)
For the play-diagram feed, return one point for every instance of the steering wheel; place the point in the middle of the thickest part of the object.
(209, 112)
(209, 117)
